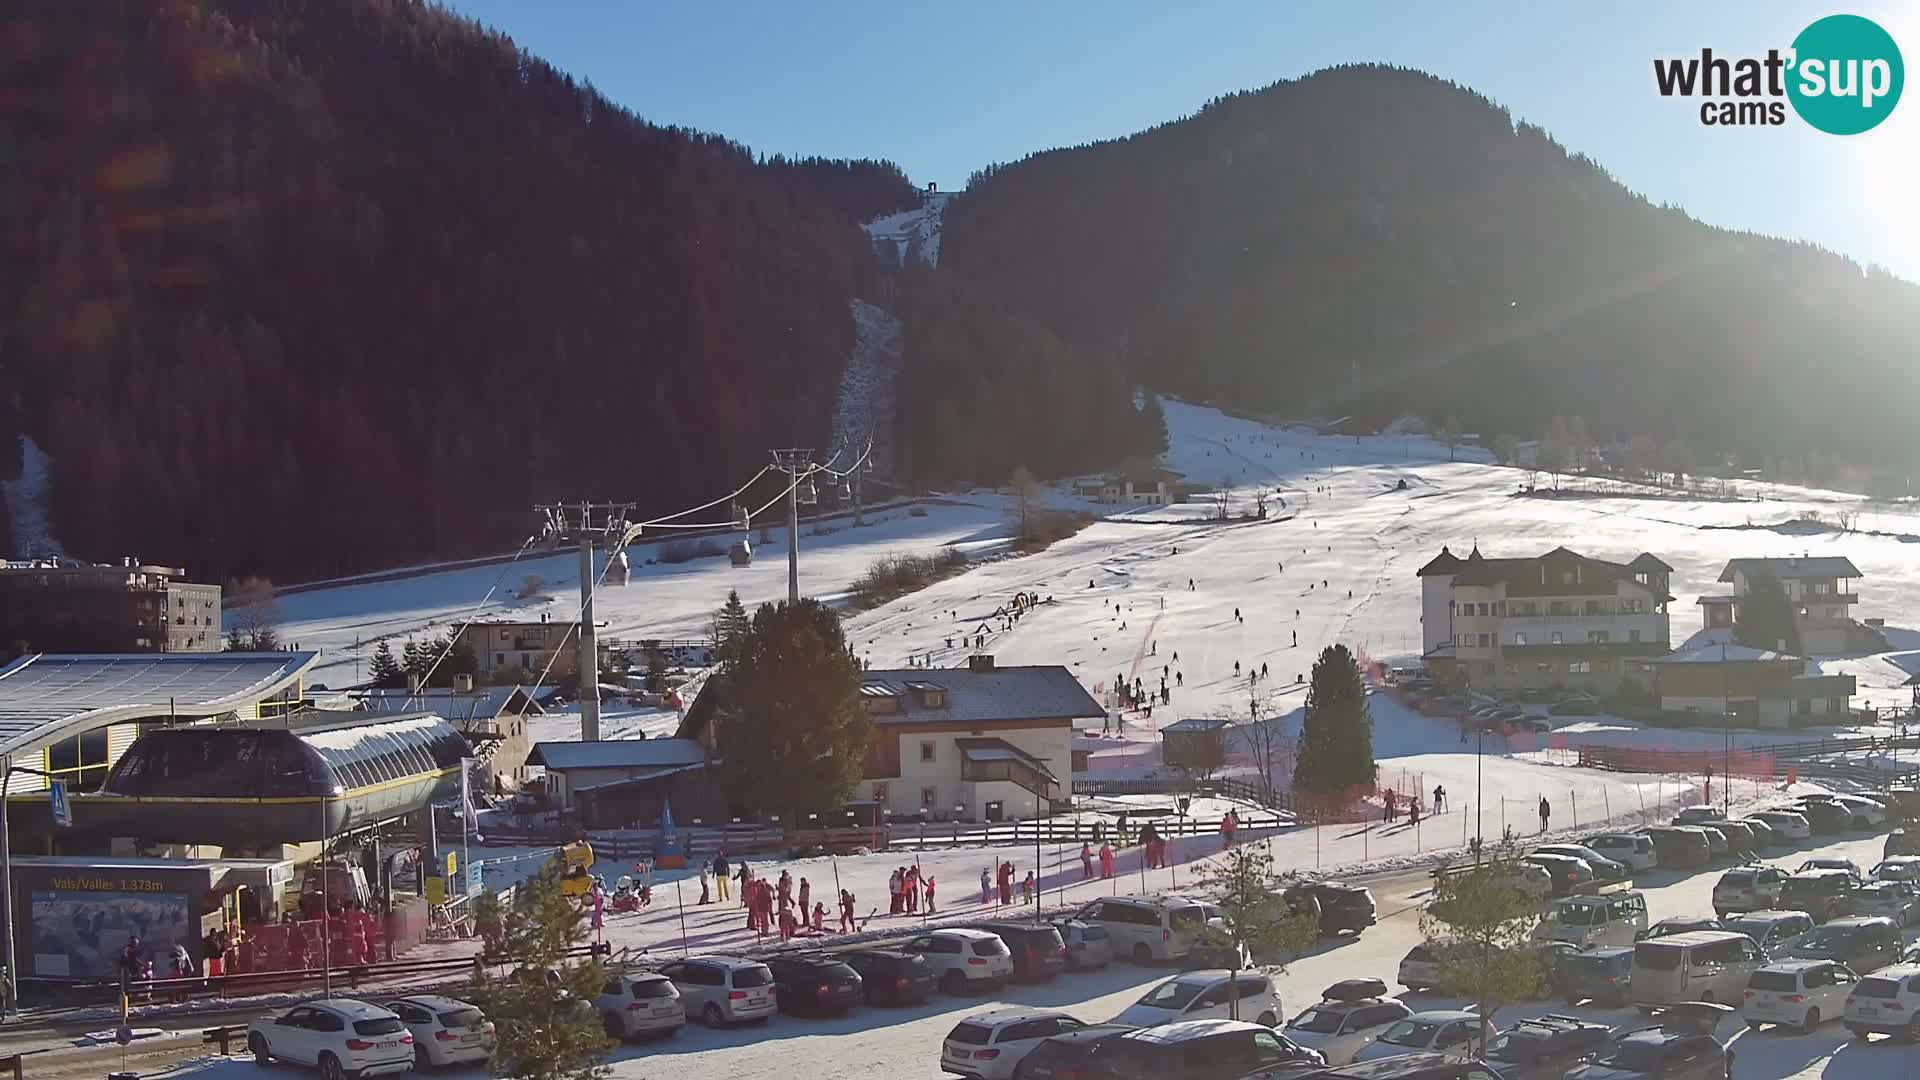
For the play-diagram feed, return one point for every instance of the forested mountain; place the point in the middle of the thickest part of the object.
(306, 286)
(1374, 241)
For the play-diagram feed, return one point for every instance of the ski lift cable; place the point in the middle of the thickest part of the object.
(446, 646)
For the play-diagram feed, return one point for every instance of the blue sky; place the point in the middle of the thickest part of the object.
(944, 89)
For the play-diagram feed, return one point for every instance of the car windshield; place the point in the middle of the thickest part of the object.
(1656, 957)
(1809, 887)
(1828, 937)
(1754, 928)
(1580, 914)
(757, 975)
(1187, 918)
(970, 1034)
(1774, 980)
(1410, 1033)
(1318, 1021)
(462, 1018)
(1587, 965)
(652, 988)
(1632, 1056)
(1173, 995)
(379, 1026)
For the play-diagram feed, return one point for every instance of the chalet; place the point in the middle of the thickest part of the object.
(1821, 590)
(1754, 687)
(1197, 744)
(1145, 487)
(618, 782)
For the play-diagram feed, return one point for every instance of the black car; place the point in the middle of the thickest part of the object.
(1065, 1057)
(1408, 1067)
(891, 978)
(1342, 906)
(1038, 952)
(1545, 1047)
(1825, 817)
(1658, 1053)
(1739, 834)
(814, 983)
(1198, 1050)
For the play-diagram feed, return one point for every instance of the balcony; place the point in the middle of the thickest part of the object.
(1819, 600)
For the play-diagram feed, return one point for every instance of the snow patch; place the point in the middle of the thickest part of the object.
(27, 502)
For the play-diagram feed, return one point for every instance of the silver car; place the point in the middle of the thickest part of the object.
(1895, 900)
(723, 990)
(1088, 946)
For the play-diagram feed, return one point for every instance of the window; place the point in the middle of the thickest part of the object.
(1544, 667)
(1633, 635)
(1566, 577)
(1500, 609)
(1513, 669)
(1559, 607)
(1632, 607)
(926, 749)
(1593, 608)
(1603, 665)
(1485, 609)
(1519, 638)
(928, 797)
(1486, 669)
(1559, 638)
(1524, 607)
(1579, 667)
(1485, 641)
(1598, 637)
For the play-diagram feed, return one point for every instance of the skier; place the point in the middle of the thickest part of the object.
(893, 892)
(1179, 679)
(1086, 861)
(1296, 639)
(1546, 812)
(846, 912)
(1236, 669)
(1263, 670)
(930, 884)
(1106, 860)
(1236, 614)
(1026, 889)
(986, 886)
(806, 891)
(1439, 798)
(1189, 584)
(721, 874)
(819, 918)
(1388, 798)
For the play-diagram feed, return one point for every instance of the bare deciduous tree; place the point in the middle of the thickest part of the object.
(252, 612)
(1026, 490)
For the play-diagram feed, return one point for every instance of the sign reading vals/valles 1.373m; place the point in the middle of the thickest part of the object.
(1843, 75)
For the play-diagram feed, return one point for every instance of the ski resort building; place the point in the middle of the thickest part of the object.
(65, 606)
(1752, 687)
(1559, 619)
(1821, 590)
(529, 646)
(1145, 487)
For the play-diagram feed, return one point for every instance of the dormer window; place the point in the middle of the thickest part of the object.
(928, 695)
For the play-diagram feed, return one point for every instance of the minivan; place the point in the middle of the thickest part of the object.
(1148, 928)
(1702, 965)
(1823, 894)
(1863, 944)
(1589, 921)
(1679, 848)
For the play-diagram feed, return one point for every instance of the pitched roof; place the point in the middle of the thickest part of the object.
(1000, 750)
(1816, 566)
(1196, 724)
(1444, 563)
(1479, 570)
(484, 702)
(1732, 654)
(617, 754)
(1039, 692)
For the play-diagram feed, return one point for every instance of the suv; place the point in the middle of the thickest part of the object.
(961, 959)
(1586, 921)
(891, 977)
(1897, 868)
(445, 1031)
(723, 990)
(1634, 850)
(1338, 1029)
(1207, 995)
(1545, 1047)
(1698, 814)
(1860, 942)
(1786, 824)
(1747, 888)
(1604, 868)
(1569, 874)
(1442, 1031)
(1200, 1050)
(643, 1004)
(339, 1036)
(814, 982)
(1893, 899)
(1797, 992)
(1065, 1057)
(1658, 1052)
(989, 1045)
(1088, 946)
(1342, 906)
(1420, 970)
(1678, 848)
(1834, 862)
(1604, 975)
(1148, 928)
(1038, 951)
(1886, 1002)
(1775, 931)
(1823, 894)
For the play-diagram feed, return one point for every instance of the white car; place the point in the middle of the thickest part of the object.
(1442, 1031)
(445, 1031)
(1886, 1002)
(1419, 971)
(1787, 824)
(645, 1003)
(1206, 995)
(1867, 813)
(1797, 992)
(1633, 849)
(989, 1045)
(339, 1036)
(964, 959)
(1338, 1029)
(1898, 868)
(1895, 900)
(723, 990)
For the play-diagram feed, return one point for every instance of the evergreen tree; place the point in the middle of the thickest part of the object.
(656, 670)
(1153, 420)
(414, 659)
(795, 735)
(1335, 755)
(1766, 616)
(543, 1033)
(729, 627)
(459, 660)
(385, 672)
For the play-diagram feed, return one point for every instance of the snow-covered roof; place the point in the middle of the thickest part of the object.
(485, 702)
(48, 697)
(1816, 566)
(1717, 599)
(1195, 724)
(1714, 654)
(1000, 750)
(617, 754)
(1039, 692)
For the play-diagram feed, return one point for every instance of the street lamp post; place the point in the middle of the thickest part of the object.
(6, 874)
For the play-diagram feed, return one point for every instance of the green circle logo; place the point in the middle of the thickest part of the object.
(1846, 75)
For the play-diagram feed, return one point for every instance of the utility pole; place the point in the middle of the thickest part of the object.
(795, 463)
(582, 524)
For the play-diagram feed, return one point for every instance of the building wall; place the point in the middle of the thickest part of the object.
(527, 645)
(1436, 605)
(1051, 743)
(193, 617)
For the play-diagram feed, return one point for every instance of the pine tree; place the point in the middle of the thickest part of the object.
(459, 659)
(1336, 738)
(385, 673)
(1766, 616)
(1153, 425)
(543, 1033)
(729, 627)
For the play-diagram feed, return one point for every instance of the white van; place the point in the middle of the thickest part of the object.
(1700, 965)
(1590, 921)
(1149, 928)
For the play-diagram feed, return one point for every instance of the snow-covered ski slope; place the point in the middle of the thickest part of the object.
(1340, 524)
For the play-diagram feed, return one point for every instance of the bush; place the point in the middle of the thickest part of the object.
(1045, 529)
(916, 511)
(898, 575)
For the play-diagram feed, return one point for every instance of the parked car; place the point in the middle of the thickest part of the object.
(1823, 894)
(1863, 944)
(1088, 946)
(1545, 1047)
(1787, 824)
(890, 976)
(1442, 1031)
(1775, 931)
(1887, 1002)
(1603, 868)
(446, 1031)
(1419, 971)
(1901, 841)
(339, 1036)
(1898, 868)
(1895, 900)
(1067, 1057)
(643, 1003)
(1201, 1050)
(1634, 850)
(1574, 706)
(1834, 862)
(1604, 975)
(1339, 1026)
(1410, 1067)
(1705, 965)
(1206, 995)
(1678, 848)
(1763, 834)
(1568, 874)
(1867, 813)
(723, 990)
(1797, 992)
(989, 1045)
(1696, 814)
(1148, 928)
(1342, 906)
(1718, 846)
(1748, 888)
(819, 984)
(1825, 817)
(962, 960)
(1680, 924)
(1658, 1053)
(1742, 841)
(1616, 918)
(1038, 951)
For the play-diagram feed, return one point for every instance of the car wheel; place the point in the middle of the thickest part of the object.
(1810, 1021)
(1142, 955)
(711, 1017)
(953, 983)
(330, 1068)
(257, 1043)
(610, 1023)
(1267, 1019)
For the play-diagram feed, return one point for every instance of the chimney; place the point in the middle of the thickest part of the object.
(980, 662)
(463, 683)
(413, 682)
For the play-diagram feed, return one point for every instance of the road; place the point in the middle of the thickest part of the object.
(902, 1044)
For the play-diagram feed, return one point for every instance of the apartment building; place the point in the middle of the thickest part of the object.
(1558, 619)
(1821, 589)
(67, 606)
